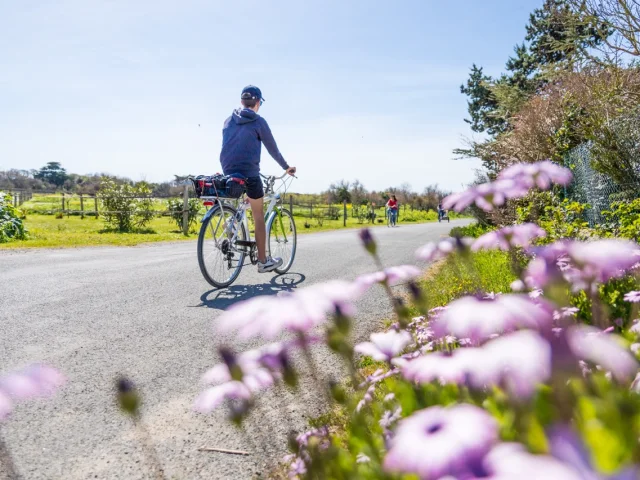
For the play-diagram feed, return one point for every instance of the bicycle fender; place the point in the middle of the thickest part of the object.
(209, 213)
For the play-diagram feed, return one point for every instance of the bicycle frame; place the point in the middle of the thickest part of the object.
(271, 198)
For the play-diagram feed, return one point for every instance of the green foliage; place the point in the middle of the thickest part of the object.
(175, 206)
(565, 219)
(623, 220)
(125, 207)
(52, 173)
(473, 230)
(481, 103)
(407, 215)
(489, 271)
(11, 225)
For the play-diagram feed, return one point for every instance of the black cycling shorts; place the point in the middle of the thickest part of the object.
(255, 189)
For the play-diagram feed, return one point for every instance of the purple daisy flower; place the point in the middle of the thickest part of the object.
(213, 397)
(486, 196)
(518, 362)
(434, 251)
(510, 460)
(441, 441)
(509, 237)
(443, 367)
(476, 319)
(392, 275)
(633, 297)
(541, 174)
(568, 448)
(384, 346)
(33, 381)
(298, 312)
(587, 343)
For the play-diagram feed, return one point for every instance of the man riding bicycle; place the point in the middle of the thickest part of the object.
(242, 137)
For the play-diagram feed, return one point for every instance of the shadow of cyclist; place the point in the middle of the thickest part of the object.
(224, 298)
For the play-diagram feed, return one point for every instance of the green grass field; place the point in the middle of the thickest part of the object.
(74, 231)
(48, 231)
(45, 230)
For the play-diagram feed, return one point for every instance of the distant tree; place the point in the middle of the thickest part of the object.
(53, 173)
(358, 193)
(339, 192)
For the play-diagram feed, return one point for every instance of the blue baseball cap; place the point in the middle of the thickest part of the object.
(252, 92)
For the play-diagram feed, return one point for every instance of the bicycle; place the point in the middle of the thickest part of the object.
(224, 240)
(391, 218)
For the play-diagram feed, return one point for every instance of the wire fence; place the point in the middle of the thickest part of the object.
(593, 188)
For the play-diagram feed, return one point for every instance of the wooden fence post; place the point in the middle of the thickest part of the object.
(185, 209)
(344, 218)
(311, 210)
(95, 203)
(291, 204)
(62, 203)
(81, 206)
(15, 199)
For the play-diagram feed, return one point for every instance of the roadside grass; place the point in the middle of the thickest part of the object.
(48, 231)
(486, 271)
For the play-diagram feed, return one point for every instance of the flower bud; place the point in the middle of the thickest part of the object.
(128, 398)
(338, 393)
(368, 241)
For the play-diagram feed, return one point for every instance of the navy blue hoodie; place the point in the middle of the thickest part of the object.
(241, 136)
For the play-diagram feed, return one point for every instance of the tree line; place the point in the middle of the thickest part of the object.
(54, 177)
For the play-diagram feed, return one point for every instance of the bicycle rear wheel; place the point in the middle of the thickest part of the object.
(219, 258)
(282, 238)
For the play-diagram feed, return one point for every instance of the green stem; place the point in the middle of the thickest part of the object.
(8, 467)
(149, 451)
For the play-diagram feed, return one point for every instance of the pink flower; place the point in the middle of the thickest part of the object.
(518, 362)
(392, 275)
(298, 312)
(581, 264)
(441, 441)
(509, 237)
(486, 196)
(586, 343)
(476, 319)
(213, 397)
(541, 174)
(385, 346)
(33, 381)
(442, 367)
(633, 297)
(566, 446)
(508, 461)
(565, 312)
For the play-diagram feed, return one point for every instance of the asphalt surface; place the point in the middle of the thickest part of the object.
(147, 312)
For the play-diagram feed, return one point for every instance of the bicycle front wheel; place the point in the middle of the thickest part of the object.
(219, 257)
(282, 238)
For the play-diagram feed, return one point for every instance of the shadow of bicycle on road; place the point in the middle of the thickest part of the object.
(225, 297)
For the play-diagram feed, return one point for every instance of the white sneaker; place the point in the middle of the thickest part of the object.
(269, 265)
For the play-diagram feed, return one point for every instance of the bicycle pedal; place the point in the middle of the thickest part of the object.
(245, 243)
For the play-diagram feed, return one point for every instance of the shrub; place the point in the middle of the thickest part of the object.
(623, 220)
(11, 225)
(125, 207)
(175, 206)
(473, 230)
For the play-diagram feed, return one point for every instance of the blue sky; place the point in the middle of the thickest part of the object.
(354, 89)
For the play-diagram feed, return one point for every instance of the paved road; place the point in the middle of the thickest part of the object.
(147, 312)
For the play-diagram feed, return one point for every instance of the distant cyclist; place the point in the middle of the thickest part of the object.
(440, 212)
(392, 206)
(242, 137)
